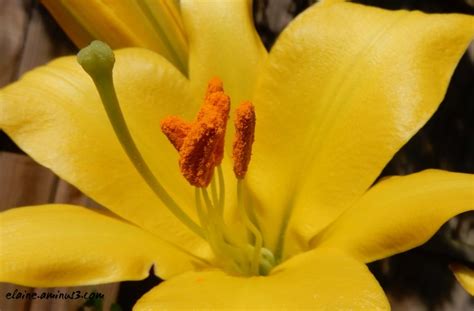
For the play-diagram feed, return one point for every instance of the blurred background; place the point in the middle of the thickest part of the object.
(415, 280)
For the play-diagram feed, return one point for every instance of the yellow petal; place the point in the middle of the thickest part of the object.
(398, 214)
(317, 280)
(65, 245)
(76, 31)
(151, 24)
(465, 277)
(345, 87)
(223, 42)
(55, 115)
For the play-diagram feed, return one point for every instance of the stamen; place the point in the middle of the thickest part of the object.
(244, 137)
(176, 129)
(98, 60)
(201, 143)
(214, 85)
(197, 159)
(216, 100)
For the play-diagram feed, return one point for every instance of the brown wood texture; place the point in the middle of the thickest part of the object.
(29, 38)
(22, 182)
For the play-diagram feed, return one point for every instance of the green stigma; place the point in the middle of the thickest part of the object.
(97, 59)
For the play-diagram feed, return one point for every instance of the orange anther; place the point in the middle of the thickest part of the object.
(176, 129)
(244, 137)
(214, 85)
(201, 143)
(197, 159)
(220, 103)
(216, 100)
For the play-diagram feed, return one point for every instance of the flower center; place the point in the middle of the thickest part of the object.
(200, 144)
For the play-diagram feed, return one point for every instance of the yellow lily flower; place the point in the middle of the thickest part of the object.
(151, 24)
(343, 88)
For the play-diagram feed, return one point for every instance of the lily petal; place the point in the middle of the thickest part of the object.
(66, 245)
(223, 42)
(316, 280)
(151, 24)
(465, 277)
(55, 115)
(75, 30)
(398, 214)
(346, 86)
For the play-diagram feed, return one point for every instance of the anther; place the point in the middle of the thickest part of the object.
(244, 137)
(214, 85)
(176, 129)
(220, 103)
(197, 159)
(201, 143)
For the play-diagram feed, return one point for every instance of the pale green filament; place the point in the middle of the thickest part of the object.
(200, 211)
(249, 224)
(217, 221)
(215, 200)
(230, 254)
(207, 200)
(221, 190)
(98, 60)
(235, 255)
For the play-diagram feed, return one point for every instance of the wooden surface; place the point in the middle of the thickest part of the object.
(29, 38)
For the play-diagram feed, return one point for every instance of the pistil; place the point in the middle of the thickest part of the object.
(98, 60)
